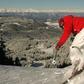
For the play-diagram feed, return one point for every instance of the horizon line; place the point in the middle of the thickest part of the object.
(41, 10)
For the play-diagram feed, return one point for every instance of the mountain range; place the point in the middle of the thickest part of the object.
(38, 10)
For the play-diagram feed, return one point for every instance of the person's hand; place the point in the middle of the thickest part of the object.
(57, 48)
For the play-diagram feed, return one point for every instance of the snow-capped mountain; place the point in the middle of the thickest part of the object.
(37, 11)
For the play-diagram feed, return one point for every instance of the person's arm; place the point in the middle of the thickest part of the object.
(63, 39)
(65, 35)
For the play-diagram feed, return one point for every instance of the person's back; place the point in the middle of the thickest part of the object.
(78, 23)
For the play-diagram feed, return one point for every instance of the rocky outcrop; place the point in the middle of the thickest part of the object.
(19, 75)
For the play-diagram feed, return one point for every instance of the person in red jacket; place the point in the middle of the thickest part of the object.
(73, 25)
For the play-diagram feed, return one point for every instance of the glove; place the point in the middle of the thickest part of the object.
(57, 48)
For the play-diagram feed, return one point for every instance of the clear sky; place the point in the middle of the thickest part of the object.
(43, 4)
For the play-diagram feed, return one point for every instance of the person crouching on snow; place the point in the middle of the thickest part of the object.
(75, 25)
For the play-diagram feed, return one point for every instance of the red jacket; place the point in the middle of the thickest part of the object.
(71, 25)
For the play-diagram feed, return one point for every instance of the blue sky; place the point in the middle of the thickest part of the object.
(43, 4)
